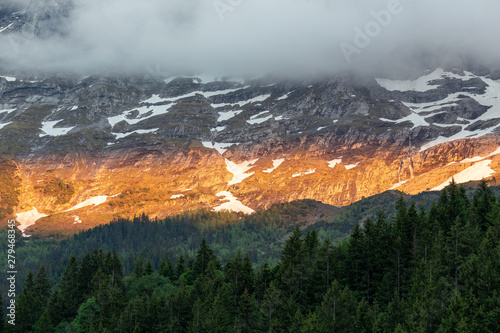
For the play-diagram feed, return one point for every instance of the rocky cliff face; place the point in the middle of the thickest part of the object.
(92, 149)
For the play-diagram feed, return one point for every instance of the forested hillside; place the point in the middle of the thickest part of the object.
(424, 270)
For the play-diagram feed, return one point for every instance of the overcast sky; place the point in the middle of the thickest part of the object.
(265, 36)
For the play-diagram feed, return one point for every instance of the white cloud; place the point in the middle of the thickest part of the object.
(282, 36)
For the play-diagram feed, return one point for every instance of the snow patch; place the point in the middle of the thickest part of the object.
(257, 99)
(351, 166)
(219, 146)
(96, 201)
(303, 173)
(122, 135)
(219, 128)
(255, 120)
(284, 96)
(25, 219)
(77, 219)
(496, 152)
(50, 130)
(177, 196)
(3, 125)
(398, 184)
(233, 205)
(476, 172)
(239, 170)
(7, 110)
(155, 110)
(9, 78)
(421, 84)
(227, 115)
(334, 162)
(276, 164)
(5, 28)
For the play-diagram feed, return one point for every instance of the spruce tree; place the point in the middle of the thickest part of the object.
(70, 293)
(204, 256)
(41, 289)
(138, 268)
(25, 306)
(44, 324)
(148, 270)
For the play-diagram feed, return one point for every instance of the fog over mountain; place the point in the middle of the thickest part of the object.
(291, 37)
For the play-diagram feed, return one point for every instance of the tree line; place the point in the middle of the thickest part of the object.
(424, 270)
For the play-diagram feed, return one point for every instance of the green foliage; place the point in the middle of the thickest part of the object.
(88, 313)
(57, 188)
(423, 270)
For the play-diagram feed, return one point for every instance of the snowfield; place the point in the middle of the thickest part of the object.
(221, 147)
(239, 170)
(49, 129)
(233, 205)
(476, 172)
(25, 219)
(422, 84)
(3, 125)
(122, 135)
(491, 99)
(98, 200)
(351, 166)
(276, 164)
(303, 173)
(227, 115)
(398, 184)
(334, 162)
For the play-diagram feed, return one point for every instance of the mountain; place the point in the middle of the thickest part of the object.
(79, 151)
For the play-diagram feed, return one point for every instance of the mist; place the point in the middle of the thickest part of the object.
(253, 37)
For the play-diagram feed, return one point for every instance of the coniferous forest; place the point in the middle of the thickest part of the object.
(420, 270)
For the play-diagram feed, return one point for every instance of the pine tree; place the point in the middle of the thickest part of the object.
(134, 317)
(356, 261)
(269, 308)
(204, 256)
(158, 312)
(148, 270)
(483, 204)
(41, 289)
(44, 324)
(55, 307)
(219, 316)
(293, 268)
(239, 274)
(25, 307)
(88, 268)
(138, 268)
(246, 318)
(364, 320)
(70, 294)
(87, 317)
(167, 269)
(180, 268)
(338, 310)
(110, 298)
(263, 280)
